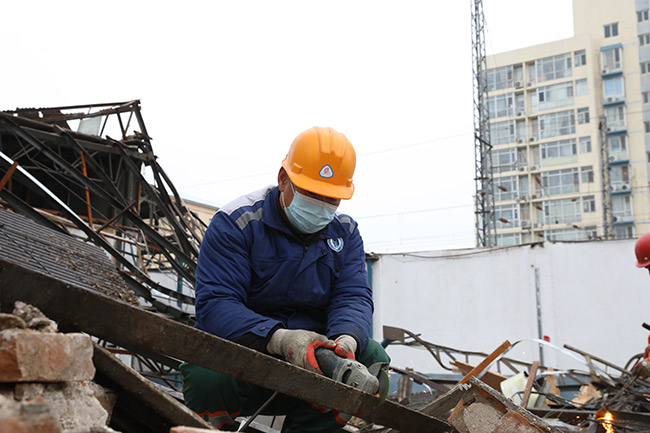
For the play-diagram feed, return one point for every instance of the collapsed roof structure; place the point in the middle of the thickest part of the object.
(86, 208)
(86, 183)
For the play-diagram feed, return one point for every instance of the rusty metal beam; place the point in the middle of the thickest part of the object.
(8, 174)
(123, 324)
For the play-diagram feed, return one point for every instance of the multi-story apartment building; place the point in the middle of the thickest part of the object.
(570, 129)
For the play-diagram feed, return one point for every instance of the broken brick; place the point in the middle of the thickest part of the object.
(28, 356)
(514, 422)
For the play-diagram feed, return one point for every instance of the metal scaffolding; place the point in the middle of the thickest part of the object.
(484, 199)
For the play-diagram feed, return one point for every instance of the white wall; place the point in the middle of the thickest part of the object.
(592, 298)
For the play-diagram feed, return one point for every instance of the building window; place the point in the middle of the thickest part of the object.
(502, 132)
(646, 97)
(558, 149)
(619, 177)
(558, 95)
(585, 144)
(554, 124)
(611, 59)
(645, 67)
(583, 115)
(615, 118)
(505, 188)
(589, 203)
(508, 239)
(644, 39)
(499, 78)
(507, 216)
(504, 160)
(642, 15)
(622, 207)
(625, 231)
(551, 68)
(617, 143)
(647, 127)
(591, 232)
(565, 235)
(580, 58)
(501, 105)
(611, 30)
(613, 89)
(561, 211)
(581, 87)
(560, 181)
(587, 174)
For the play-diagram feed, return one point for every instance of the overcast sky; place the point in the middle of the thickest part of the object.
(226, 86)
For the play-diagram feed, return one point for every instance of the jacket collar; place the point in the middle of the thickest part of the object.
(272, 217)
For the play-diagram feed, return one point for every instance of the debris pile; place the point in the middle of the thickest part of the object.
(46, 378)
(601, 397)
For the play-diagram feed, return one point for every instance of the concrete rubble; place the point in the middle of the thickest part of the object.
(46, 378)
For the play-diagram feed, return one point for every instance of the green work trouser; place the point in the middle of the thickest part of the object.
(220, 399)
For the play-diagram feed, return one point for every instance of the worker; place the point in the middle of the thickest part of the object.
(642, 251)
(278, 271)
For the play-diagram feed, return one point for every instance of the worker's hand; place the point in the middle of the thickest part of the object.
(293, 345)
(346, 346)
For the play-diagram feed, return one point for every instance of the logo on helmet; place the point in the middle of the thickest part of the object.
(326, 171)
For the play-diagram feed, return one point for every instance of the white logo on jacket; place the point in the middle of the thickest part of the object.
(335, 244)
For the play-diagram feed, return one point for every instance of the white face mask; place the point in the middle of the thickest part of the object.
(308, 215)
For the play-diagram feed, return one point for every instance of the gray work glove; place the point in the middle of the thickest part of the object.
(293, 344)
(347, 343)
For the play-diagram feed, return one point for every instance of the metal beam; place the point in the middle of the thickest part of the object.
(124, 324)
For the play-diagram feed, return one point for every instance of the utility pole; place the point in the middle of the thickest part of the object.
(484, 199)
(608, 218)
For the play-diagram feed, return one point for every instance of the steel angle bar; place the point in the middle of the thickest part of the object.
(114, 199)
(157, 197)
(158, 171)
(126, 325)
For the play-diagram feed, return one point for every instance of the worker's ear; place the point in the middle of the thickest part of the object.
(283, 179)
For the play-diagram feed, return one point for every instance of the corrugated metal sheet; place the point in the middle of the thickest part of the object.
(28, 244)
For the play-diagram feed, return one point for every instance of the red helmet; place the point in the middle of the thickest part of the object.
(642, 251)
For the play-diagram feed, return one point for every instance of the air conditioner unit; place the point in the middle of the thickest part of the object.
(525, 224)
(523, 197)
(530, 83)
(537, 225)
(518, 84)
(533, 168)
(520, 113)
(605, 71)
(534, 196)
(520, 140)
(624, 187)
(523, 168)
(533, 138)
(610, 99)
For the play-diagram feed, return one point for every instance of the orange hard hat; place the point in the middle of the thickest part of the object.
(322, 161)
(642, 251)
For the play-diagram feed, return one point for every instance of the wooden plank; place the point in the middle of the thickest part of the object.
(491, 378)
(484, 364)
(529, 384)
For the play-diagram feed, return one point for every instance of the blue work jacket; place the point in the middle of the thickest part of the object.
(254, 274)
